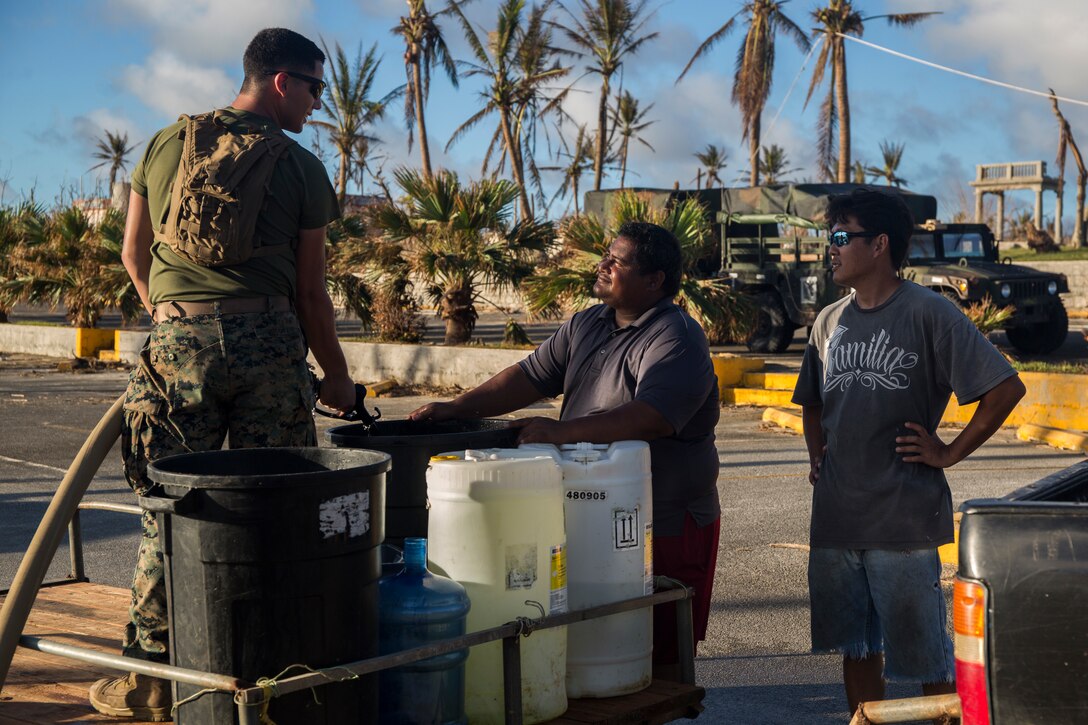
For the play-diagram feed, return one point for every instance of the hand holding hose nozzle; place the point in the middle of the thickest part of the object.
(358, 410)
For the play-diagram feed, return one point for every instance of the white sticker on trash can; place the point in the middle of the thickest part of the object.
(345, 515)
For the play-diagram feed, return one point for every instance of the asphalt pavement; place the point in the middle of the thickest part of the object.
(755, 662)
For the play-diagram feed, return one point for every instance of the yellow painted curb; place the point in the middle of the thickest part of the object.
(1053, 400)
(1077, 314)
(89, 340)
(730, 369)
(755, 396)
(790, 421)
(377, 389)
(770, 381)
(1068, 440)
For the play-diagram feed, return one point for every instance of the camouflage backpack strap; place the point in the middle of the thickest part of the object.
(220, 188)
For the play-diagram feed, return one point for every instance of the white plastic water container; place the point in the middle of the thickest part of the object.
(496, 526)
(609, 510)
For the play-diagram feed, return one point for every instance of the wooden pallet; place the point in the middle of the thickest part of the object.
(44, 688)
(661, 702)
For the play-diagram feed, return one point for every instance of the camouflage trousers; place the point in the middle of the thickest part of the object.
(202, 380)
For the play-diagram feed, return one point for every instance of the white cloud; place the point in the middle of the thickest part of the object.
(171, 86)
(1032, 44)
(689, 116)
(92, 125)
(215, 31)
(386, 8)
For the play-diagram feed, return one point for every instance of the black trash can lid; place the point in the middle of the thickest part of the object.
(449, 434)
(266, 467)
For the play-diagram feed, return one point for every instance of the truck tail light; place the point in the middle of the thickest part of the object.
(969, 622)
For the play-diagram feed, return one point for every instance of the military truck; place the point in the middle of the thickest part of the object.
(774, 247)
(961, 262)
(788, 276)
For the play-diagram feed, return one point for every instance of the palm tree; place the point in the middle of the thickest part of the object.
(774, 164)
(1066, 141)
(893, 154)
(112, 150)
(457, 238)
(859, 174)
(712, 160)
(361, 157)
(13, 224)
(424, 48)
(350, 108)
(370, 276)
(61, 259)
(519, 62)
(627, 122)
(836, 20)
(607, 31)
(754, 66)
(579, 157)
(568, 283)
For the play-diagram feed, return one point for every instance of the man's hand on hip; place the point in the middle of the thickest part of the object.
(923, 448)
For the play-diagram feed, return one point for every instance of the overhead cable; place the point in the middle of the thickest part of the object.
(972, 76)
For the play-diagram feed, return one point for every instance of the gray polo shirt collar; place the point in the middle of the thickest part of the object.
(607, 313)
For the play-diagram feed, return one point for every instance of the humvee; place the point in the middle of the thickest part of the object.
(960, 261)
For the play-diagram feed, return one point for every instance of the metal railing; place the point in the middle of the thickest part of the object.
(1016, 170)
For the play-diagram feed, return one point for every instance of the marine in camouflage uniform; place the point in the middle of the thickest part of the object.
(200, 380)
(226, 360)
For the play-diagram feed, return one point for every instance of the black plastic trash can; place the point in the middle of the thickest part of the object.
(272, 559)
(411, 444)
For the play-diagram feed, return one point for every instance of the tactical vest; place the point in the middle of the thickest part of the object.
(221, 185)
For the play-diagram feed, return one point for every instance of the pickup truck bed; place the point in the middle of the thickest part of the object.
(1030, 551)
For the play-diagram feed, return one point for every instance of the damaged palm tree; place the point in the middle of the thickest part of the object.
(457, 239)
(1067, 142)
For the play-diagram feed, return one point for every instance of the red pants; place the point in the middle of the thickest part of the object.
(690, 558)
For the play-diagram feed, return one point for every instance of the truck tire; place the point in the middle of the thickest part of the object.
(773, 330)
(1042, 337)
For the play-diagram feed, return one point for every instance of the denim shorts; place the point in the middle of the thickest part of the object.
(868, 601)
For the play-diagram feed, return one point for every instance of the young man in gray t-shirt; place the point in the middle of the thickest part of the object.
(878, 372)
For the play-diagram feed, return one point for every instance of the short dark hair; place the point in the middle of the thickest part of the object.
(876, 211)
(656, 250)
(278, 49)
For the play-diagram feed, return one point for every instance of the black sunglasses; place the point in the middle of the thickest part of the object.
(317, 86)
(841, 239)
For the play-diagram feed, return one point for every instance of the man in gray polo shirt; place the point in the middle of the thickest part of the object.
(636, 367)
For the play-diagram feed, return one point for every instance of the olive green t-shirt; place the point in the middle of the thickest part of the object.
(301, 198)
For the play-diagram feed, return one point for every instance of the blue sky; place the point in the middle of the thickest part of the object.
(74, 68)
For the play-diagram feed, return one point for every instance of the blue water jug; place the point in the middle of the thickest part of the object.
(418, 608)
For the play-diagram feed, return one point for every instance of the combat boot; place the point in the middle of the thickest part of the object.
(140, 697)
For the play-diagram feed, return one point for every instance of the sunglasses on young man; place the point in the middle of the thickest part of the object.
(317, 86)
(841, 239)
